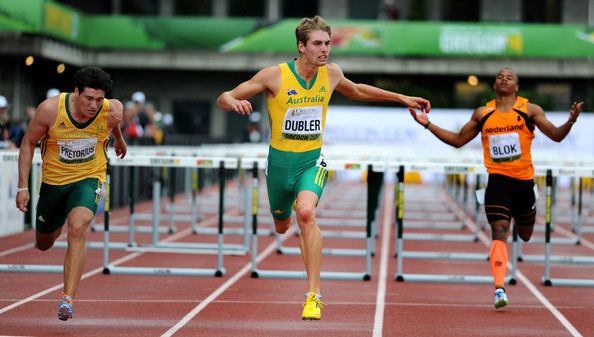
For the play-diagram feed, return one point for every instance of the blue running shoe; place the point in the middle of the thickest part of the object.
(500, 298)
(65, 310)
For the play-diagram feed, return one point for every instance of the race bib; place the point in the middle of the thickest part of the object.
(303, 123)
(505, 147)
(77, 150)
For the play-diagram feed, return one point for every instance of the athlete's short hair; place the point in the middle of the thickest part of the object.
(93, 77)
(513, 72)
(307, 25)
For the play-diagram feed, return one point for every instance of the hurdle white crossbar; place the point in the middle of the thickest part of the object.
(261, 273)
(204, 162)
(12, 157)
(400, 276)
(547, 280)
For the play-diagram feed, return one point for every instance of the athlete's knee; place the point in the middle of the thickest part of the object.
(525, 225)
(525, 232)
(282, 226)
(43, 245)
(499, 230)
(77, 230)
(306, 213)
(45, 241)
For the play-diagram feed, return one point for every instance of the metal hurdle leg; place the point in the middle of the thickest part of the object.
(370, 214)
(547, 280)
(287, 274)
(401, 254)
(218, 272)
(578, 222)
(32, 268)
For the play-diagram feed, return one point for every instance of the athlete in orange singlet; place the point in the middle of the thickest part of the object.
(507, 127)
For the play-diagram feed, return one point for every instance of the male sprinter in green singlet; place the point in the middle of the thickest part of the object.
(73, 130)
(298, 95)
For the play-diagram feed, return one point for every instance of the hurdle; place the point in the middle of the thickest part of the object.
(289, 274)
(372, 193)
(400, 276)
(35, 178)
(548, 240)
(446, 221)
(539, 171)
(174, 247)
(547, 280)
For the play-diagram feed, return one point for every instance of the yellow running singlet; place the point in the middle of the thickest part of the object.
(297, 113)
(72, 151)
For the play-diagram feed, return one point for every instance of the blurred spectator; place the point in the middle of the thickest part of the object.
(152, 128)
(139, 99)
(52, 92)
(132, 128)
(389, 11)
(17, 131)
(5, 135)
(253, 133)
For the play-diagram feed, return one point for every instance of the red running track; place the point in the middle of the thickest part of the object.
(238, 305)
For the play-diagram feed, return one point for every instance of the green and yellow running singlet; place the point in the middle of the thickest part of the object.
(298, 113)
(73, 151)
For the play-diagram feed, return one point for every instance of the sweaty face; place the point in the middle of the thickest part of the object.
(506, 82)
(317, 49)
(89, 101)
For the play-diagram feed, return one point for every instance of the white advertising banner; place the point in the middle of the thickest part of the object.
(395, 130)
(11, 219)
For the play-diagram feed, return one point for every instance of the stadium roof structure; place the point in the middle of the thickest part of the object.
(58, 32)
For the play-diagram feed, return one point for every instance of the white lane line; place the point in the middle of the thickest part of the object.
(16, 250)
(380, 302)
(62, 237)
(542, 298)
(531, 287)
(569, 234)
(25, 247)
(59, 286)
(96, 271)
(232, 280)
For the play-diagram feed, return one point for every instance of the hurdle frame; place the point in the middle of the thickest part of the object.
(290, 274)
(170, 161)
(400, 276)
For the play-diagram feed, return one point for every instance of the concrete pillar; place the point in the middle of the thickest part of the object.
(218, 120)
(273, 10)
(501, 10)
(116, 7)
(402, 8)
(575, 11)
(434, 11)
(220, 8)
(591, 13)
(334, 9)
(166, 7)
(15, 106)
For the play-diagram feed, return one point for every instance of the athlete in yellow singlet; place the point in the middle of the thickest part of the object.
(298, 94)
(73, 131)
(507, 127)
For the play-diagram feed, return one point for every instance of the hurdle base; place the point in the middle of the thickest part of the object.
(31, 268)
(325, 275)
(325, 251)
(475, 279)
(162, 271)
(570, 282)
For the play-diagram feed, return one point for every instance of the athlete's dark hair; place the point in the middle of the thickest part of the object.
(93, 77)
